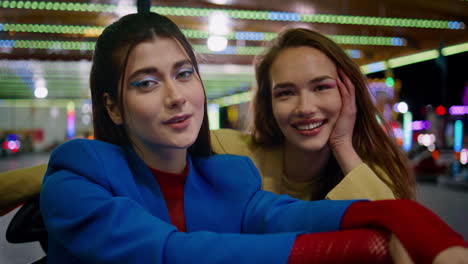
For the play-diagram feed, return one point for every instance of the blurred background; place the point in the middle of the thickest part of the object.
(414, 53)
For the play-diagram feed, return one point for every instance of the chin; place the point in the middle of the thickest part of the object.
(184, 143)
(312, 146)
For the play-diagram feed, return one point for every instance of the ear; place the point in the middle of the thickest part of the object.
(113, 110)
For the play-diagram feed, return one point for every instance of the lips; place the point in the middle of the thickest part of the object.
(177, 119)
(179, 122)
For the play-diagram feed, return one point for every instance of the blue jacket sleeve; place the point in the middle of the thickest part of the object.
(267, 212)
(90, 223)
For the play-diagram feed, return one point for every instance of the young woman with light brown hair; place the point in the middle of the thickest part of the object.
(315, 130)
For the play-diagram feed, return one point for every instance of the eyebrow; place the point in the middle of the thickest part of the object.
(313, 81)
(154, 70)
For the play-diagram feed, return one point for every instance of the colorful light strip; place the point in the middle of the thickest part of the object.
(458, 136)
(52, 29)
(89, 46)
(52, 45)
(70, 120)
(245, 14)
(95, 31)
(464, 155)
(232, 99)
(458, 110)
(420, 125)
(213, 116)
(407, 131)
(39, 103)
(414, 58)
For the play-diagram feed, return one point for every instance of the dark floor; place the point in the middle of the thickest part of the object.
(449, 203)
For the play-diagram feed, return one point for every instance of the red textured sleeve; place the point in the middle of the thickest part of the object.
(365, 246)
(423, 233)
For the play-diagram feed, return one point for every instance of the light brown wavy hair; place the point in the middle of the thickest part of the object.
(373, 142)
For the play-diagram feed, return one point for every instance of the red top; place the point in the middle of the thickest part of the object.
(172, 188)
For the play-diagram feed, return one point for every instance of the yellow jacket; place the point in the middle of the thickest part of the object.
(17, 186)
(360, 183)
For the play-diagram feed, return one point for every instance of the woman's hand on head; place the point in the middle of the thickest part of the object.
(342, 134)
(341, 138)
(452, 255)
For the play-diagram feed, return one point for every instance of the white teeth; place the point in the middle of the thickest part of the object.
(309, 126)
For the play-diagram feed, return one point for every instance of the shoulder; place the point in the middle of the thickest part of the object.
(231, 141)
(87, 158)
(82, 144)
(81, 149)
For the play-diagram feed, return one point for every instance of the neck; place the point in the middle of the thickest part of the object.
(301, 166)
(163, 159)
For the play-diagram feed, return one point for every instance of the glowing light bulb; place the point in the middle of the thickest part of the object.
(217, 43)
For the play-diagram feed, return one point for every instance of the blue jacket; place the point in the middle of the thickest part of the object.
(101, 204)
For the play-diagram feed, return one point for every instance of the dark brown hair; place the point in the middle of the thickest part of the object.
(373, 145)
(110, 61)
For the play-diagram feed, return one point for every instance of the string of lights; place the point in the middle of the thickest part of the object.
(244, 14)
(95, 31)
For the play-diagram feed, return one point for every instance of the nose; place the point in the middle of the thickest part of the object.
(306, 105)
(174, 98)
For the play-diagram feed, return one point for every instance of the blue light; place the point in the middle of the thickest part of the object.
(12, 137)
(458, 136)
(284, 16)
(228, 50)
(376, 67)
(1, 26)
(7, 43)
(397, 41)
(454, 25)
(246, 35)
(355, 54)
(450, 24)
(407, 131)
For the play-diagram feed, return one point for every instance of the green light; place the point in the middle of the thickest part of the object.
(61, 45)
(232, 99)
(414, 58)
(189, 33)
(418, 57)
(389, 81)
(455, 49)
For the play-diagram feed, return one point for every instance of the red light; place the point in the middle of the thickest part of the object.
(5, 145)
(440, 110)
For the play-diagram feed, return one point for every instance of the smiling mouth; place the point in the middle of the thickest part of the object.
(310, 126)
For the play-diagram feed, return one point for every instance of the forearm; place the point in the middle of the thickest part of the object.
(422, 233)
(347, 157)
(351, 246)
